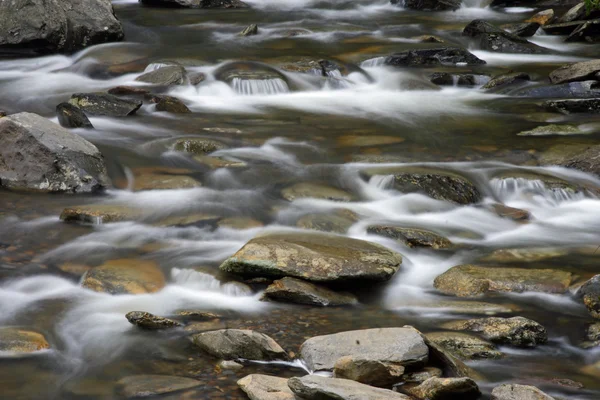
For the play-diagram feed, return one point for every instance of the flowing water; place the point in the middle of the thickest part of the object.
(291, 127)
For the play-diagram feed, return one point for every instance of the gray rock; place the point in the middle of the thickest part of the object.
(451, 365)
(524, 29)
(574, 106)
(250, 30)
(564, 90)
(588, 32)
(509, 79)
(70, 116)
(315, 257)
(39, 155)
(431, 5)
(579, 12)
(292, 290)
(492, 38)
(165, 76)
(516, 331)
(370, 372)
(411, 237)
(398, 346)
(266, 387)
(518, 392)
(432, 58)
(147, 321)
(105, 104)
(589, 294)
(169, 104)
(581, 71)
(137, 386)
(233, 344)
(465, 346)
(315, 387)
(49, 26)
(446, 389)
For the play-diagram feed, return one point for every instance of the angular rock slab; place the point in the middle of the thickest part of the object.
(233, 344)
(518, 392)
(516, 331)
(137, 386)
(39, 155)
(314, 387)
(292, 290)
(266, 387)
(314, 257)
(400, 346)
(412, 237)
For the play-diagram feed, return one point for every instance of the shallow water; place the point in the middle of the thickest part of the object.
(326, 130)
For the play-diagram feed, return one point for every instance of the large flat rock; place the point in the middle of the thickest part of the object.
(266, 387)
(314, 387)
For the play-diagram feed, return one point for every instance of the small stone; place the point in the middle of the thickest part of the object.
(169, 104)
(196, 78)
(503, 80)
(421, 375)
(446, 388)
(589, 294)
(99, 214)
(229, 365)
(316, 191)
(428, 39)
(233, 344)
(147, 321)
(297, 291)
(516, 331)
(198, 146)
(70, 116)
(197, 315)
(165, 76)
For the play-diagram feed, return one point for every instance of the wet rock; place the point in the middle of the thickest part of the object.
(574, 106)
(70, 116)
(521, 255)
(587, 32)
(589, 294)
(251, 30)
(431, 5)
(240, 223)
(379, 140)
(196, 78)
(99, 214)
(525, 29)
(195, 3)
(428, 39)
(125, 276)
(137, 386)
(518, 392)
(451, 365)
(315, 387)
(197, 315)
(128, 91)
(432, 58)
(292, 290)
(504, 80)
(583, 159)
(165, 76)
(39, 155)
(105, 104)
(565, 28)
(553, 129)
(542, 17)
(161, 181)
(229, 365)
(446, 79)
(370, 372)
(421, 375)
(50, 26)
(326, 222)
(465, 346)
(266, 387)
(565, 90)
(233, 344)
(472, 280)
(579, 12)
(147, 321)
(492, 38)
(446, 389)
(169, 104)
(460, 307)
(391, 346)
(238, 73)
(516, 331)
(16, 341)
(222, 4)
(516, 214)
(411, 237)
(581, 71)
(315, 191)
(198, 146)
(316, 257)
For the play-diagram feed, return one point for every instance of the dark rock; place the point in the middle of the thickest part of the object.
(105, 104)
(589, 294)
(465, 346)
(266, 387)
(579, 12)
(297, 291)
(432, 57)
(581, 71)
(49, 26)
(492, 38)
(197, 315)
(516, 331)
(446, 389)
(233, 344)
(39, 155)
(169, 104)
(70, 116)
(432, 5)
(147, 321)
(251, 30)
(508, 79)
(563, 90)
(125, 276)
(165, 76)
(564, 28)
(222, 4)
(411, 237)
(136, 386)
(574, 106)
(128, 91)
(542, 17)
(518, 392)
(315, 387)
(525, 29)
(588, 32)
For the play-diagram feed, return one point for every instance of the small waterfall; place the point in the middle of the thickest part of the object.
(476, 3)
(259, 86)
(373, 62)
(382, 181)
(511, 187)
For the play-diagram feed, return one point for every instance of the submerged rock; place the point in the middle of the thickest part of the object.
(570, 90)
(432, 58)
(233, 344)
(297, 291)
(589, 294)
(125, 276)
(315, 387)
(165, 76)
(508, 79)
(147, 321)
(542, 17)
(316, 257)
(316, 191)
(169, 104)
(446, 389)
(465, 346)
(516, 331)
(370, 372)
(198, 146)
(250, 30)
(149, 180)
(472, 280)
(332, 222)
(581, 71)
(266, 387)
(70, 116)
(105, 104)
(39, 155)
(433, 5)
(589, 32)
(585, 159)
(518, 392)
(466, 80)
(128, 91)
(411, 237)
(17, 341)
(548, 130)
(492, 38)
(99, 214)
(574, 106)
(390, 346)
(137, 386)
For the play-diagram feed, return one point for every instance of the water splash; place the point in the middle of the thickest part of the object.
(259, 86)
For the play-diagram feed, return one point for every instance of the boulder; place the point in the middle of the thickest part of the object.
(569, 90)
(292, 290)
(492, 38)
(105, 104)
(165, 76)
(508, 79)
(432, 58)
(136, 386)
(411, 237)
(589, 294)
(542, 17)
(465, 346)
(51, 26)
(446, 389)
(518, 392)
(315, 191)
(315, 387)
(169, 104)
(525, 29)
(390, 346)
(15, 340)
(39, 155)
(574, 106)
(316, 257)
(125, 276)
(233, 344)
(150, 322)
(516, 331)
(581, 71)
(70, 116)
(432, 5)
(588, 32)
(266, 387)
(250, 30)
(370, 372)
(473, 280)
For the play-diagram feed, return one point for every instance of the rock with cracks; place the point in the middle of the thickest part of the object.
(292, 290)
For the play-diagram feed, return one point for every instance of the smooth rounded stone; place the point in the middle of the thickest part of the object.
(70, 116)
(99, 214)
(518, 392)
(399, 346)
(316, 191)
(574, 106)
(581, 71)
(266, 387)
(473, 280)
(50, 26)
(465, 346)
(128, 91)
(553, 129)
(369, 372)
(446, 389)
(39, 155)
(105, 104)
(170, 104)
(240, 223)
(165, 76)
(316, 257)
(244, 71)
(421, 375)
(233, 344)
(411, 237)
(219, 162)
(137, 386)
(147, 321)
(196, 78)
(508, 79)
(228, 365)
(428, 39)
(588, 32)
(543, 17)
(524, 29)
(250, 30)
(519, 255)
(516, 214)
(15, 341)
(492, 38)
(516, 331)
(292, 290)
(198, 146)
(326, 222)
(589, 294)
(431, 5)
(125, 276)
(432, 58)
(315, 387)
